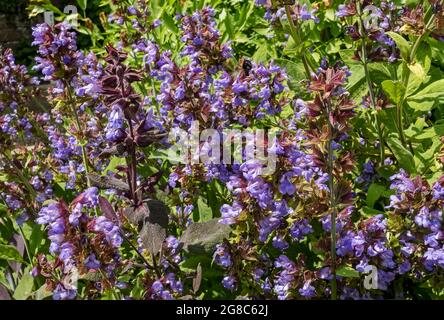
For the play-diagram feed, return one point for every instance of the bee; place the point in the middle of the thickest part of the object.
(286, 2)
(246, 65)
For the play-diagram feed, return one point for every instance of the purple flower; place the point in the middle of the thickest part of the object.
(229, 283)
(300, 229)
(307, 290)
(75, 214)
(49, 214)
(280, 243)
(308, 15)
(175, 285)
(433, 258)
(438, 189)
(230, 213)
(285, 186)
(158, 289)
(222, 256)
(91, 262)
(404, 267)
(66, 252)
(345, 10)
(109, 229)
(60, 293)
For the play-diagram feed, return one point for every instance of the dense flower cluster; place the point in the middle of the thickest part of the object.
(302, 219)
(417, 208)
(299, 12)
(82, 241)
(374, 22)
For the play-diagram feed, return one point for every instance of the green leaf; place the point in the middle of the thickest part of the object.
(418, 70)
(424, 55)
(169, 22)
(347, 272)
(229, 25)
(245, 14)
(404, 156)
(388, 118)
(379, 72)
(53, 8)
(205, 212)
(9, 253)
(82, 4)
(261, 53)
(370, 212)
(427, 97)
(36, 238)
(24, 288)
(42, 293)
(414, 84)
(436, 130)
(375, 191)
(357, 84)
(416, 128)
(295, 72)
(394, 89)
(402, 44)
(115, 161)
(202, 237)
(348, 56)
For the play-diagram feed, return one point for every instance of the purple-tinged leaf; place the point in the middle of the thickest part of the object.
(107, 209)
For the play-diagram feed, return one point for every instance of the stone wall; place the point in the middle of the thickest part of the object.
(15, 29)
(15, 25)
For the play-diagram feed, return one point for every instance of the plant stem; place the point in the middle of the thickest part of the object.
(405, 77)
(297, 39)
(23, 179)
(79, 130)
(136, 250)
(364, 60)
(333, 221)
(332, 205)
(156, 267)
(25, 242)
(132, 164)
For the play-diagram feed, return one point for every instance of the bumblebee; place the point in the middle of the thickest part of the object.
(246, 66)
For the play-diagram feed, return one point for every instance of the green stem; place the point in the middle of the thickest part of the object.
(22, 234)
(79, 130)
(156, 267)
(147, 265)
(297, 39)
(25, 242)
(332, 206)
(370, 84)
(405, 77)
(333, 221)
(20, 175)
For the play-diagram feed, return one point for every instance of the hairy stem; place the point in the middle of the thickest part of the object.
(79, 130)
(148, 266)
(297, 39)
(132, 164)
(22, 178)
(364, 59)
(333, 214)
(333, 219)
(25, 242)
